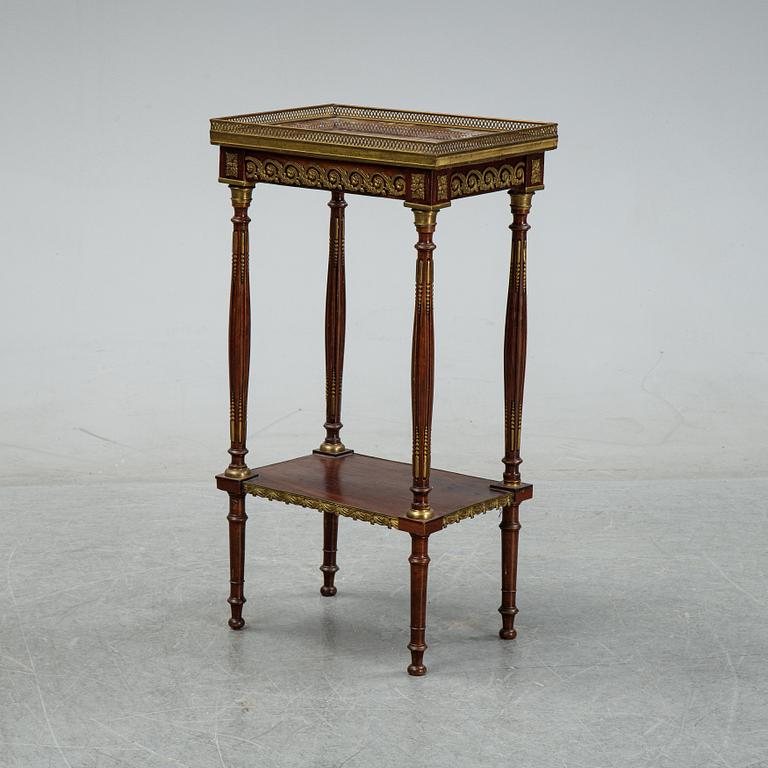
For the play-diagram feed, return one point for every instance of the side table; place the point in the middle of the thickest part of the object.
(426, 160)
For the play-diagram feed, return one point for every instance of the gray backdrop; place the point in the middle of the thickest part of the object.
(647, 254)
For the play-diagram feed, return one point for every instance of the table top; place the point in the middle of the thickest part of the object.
(375, 135)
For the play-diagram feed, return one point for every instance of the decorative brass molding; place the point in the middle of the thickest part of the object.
(442, 187)
(487, 179)
(305, 174)
(321, 505)
(536, 170)
(478, 509)
(417, 186)
(230, 164)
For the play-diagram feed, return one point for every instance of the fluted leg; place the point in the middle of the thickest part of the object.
(423, 362)
(237, 518)
(510, 536)
(419, 561)
(335, 321)
(329, 567)
(239, 356)
(515, 335)
(239, 334)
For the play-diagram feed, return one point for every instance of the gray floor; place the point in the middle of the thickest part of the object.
(642, 634)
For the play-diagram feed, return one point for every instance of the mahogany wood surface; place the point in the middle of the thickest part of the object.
(378, 486)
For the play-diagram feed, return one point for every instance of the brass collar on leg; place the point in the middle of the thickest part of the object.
(420, 514)
(520, 202)
(241, 195)
(425, 216)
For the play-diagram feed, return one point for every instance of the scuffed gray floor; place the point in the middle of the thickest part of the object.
(643, 634)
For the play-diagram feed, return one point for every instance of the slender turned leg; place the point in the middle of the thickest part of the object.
(510, 536)
(335, 319)
(419, 561)
(239, 354)
(239, 334)
(329, 567)
(423, 362)
(515, 332)
(237, 518)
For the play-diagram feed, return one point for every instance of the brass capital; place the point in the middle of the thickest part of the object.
(520, 202)
(241, 195)
(425, 216)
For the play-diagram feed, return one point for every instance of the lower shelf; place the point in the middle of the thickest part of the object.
(377, 491)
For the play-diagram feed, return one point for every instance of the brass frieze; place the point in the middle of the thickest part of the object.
(479, 508)
(322, 505)
(300, 173)
(487, 179)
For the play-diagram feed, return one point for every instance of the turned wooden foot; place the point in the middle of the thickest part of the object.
(510, 535)
(419, 561)
(329, 567)
(237, 519)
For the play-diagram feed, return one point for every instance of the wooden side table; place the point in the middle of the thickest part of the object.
(427, 161)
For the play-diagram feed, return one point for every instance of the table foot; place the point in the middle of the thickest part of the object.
(419, 561)
(417, 670)
(510, 536)
(237, 519)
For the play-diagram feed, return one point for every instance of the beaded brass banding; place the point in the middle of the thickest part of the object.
(487, 179)
(299, 173)
(322, 505)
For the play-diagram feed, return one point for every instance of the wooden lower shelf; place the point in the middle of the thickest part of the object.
(377, 491)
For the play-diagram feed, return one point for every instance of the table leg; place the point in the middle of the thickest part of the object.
(515, 333)
(419, 561)
(329, 567)
(239, 358)
(239, 334)
(237, 518)
(510, 536)
(335, 320)
(423, 362)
